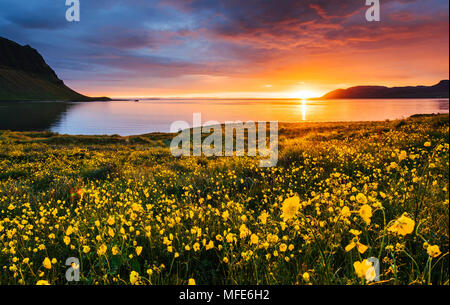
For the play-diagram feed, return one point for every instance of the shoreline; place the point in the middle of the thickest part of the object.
(100, 99)
(282, 125)
(108, 99)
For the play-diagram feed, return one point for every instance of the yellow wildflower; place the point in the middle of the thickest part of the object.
(263, 217)
(366, 213)
(403, 225)
(111, 220)
(69, 231)
(402, 156)
(306, 277)
(355, 242)
(196, 247)
(225, 215)
(102, 249)
(209, 245)
(361, 198)
(134, 277)
(254, 239)
(433, 251)
(365, 270)
(290, 207)
(345, 212)
(47, 263)
(355, 232)
(66, 240)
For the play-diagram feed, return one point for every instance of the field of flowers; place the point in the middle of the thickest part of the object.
(133, 214)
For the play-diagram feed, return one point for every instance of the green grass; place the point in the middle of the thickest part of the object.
(24, 86)
(129, 192)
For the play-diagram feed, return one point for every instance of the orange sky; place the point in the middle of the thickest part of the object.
(235, 48)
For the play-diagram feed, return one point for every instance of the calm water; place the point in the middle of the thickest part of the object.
(132, 118)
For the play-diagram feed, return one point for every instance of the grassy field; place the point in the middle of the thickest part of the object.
(132, 213)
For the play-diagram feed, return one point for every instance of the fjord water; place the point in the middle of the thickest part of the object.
(133, 118)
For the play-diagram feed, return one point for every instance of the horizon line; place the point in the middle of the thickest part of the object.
(210, 98)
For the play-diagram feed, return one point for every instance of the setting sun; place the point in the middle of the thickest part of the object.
(305, 94)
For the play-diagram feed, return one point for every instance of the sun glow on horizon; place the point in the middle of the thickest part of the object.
(300, 94)
(288, 90)
(305, 94)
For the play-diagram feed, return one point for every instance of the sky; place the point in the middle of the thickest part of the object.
(233, 48)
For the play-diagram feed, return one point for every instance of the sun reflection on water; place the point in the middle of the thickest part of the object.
(303, 108)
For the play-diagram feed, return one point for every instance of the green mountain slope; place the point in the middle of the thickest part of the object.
(25, 76)
(20, 85)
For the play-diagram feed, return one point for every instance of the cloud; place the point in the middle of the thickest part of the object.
(222, 38)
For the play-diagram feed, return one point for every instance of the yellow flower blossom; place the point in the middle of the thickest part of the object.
(196, 247)
(111, 220)
(47, 263)
(229, 237)
(134, 278)
(366, 213)
(402, 226)
(290, 207)
(209, 245)
(364, 269)
(433, 251)
(254, 239)
(69, 230)
(355, 242)
(102, 249)
(402, 156)
(66, 240)
(306, 277)
(345, 212)
(361, 198)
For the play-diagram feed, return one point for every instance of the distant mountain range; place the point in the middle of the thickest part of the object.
(25, 76)
(439, 90)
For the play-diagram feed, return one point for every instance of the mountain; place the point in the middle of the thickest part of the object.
(439, 90)
(25, 76)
